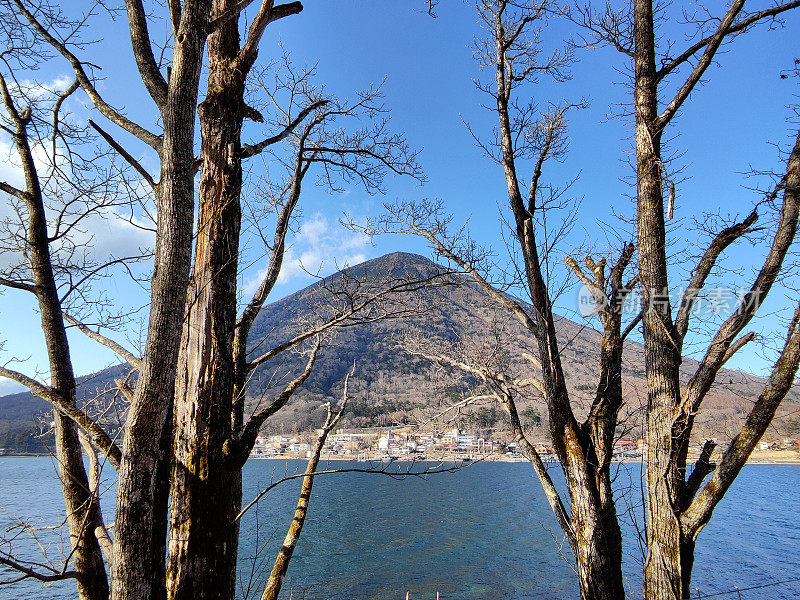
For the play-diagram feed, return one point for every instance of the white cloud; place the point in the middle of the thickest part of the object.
(115, 236)
(320, 247)
(36, 90)
(105, 232)
(9, 386)
(313, 230)
(9, 171)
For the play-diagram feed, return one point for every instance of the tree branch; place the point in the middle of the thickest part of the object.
(784, 236)
(11, 190)
(17, 285)
(353, 309)
(102, 106)
(529, 451)
(722, 240)
(739, 450)
(175, 11)
(249, 150)
(29, 573)
(705, 61)
(124, 153)
(143, 52)
(273, 585)
(237, 448)
(266, 15)
(129, 357)
(393, 474)
(503, 300)
(231, 13)
(736, 28)
(631, 326)
(737, 345)
(67, 407)
(702, 467)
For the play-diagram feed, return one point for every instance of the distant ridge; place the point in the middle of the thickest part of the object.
(389, 385)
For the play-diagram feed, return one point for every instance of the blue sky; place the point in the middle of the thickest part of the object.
(729, 126)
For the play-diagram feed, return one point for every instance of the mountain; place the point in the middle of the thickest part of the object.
(18, 412)
(390, 385)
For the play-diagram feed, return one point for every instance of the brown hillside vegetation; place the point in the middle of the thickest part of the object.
(390, 386)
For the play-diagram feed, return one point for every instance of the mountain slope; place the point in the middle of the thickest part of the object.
(390, 385)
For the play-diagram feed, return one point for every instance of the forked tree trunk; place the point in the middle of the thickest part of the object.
(592, 513)
(141, 495)
(82, 506)
(593, 526)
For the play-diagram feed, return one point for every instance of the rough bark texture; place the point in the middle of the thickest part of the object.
(677, 512)
(82, 506)
(665, 565)
(140, 525)
(206, 490)
(674, 514)
(209, 407)
(593, 519)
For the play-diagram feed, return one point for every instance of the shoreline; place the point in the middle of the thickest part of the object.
(490, 458)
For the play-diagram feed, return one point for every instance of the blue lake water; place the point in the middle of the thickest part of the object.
(482, 533)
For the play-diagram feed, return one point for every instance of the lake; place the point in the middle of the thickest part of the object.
(482, 533)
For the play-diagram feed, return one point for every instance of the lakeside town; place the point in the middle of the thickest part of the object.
(404, 443)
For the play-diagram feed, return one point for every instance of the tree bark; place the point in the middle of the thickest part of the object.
(206, 489)
(82, 506)
(666, 570)
(673, 518)
(593, 522)
(141, 496)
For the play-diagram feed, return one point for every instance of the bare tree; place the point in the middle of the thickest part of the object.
(37, 276)
(678, 503)
(46, 249)
(212, 434)
(194, 447)
(584, 449)
(279, 569)
(142, 461)
(525, 138)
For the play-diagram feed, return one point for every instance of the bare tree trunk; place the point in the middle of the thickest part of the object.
(592, 527)
(593, 516)
(584, 450)
(666, 572)
(141, 496)
(281, 566)
(82, 507)
(593, 523)
(81, 504)
(596, 530)
(674, 514)
(600, 554)
(206, 489)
